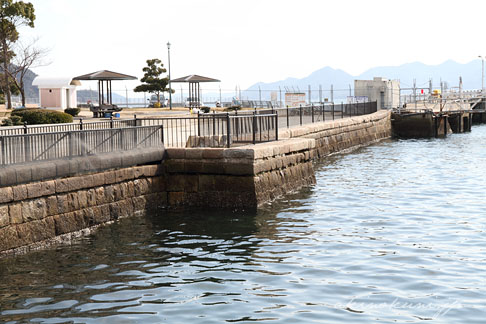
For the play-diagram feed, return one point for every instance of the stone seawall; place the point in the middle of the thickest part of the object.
(44, 210)
(237, 177)
(44, 202)
(342, 134)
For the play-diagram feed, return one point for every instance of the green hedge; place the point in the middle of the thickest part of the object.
(72, 111)
(42, 116)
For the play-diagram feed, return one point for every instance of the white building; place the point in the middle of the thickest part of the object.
(385, 92)
(57, 92)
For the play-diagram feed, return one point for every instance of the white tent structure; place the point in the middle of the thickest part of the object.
(57, 92)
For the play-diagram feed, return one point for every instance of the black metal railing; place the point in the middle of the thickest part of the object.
(46, 142)
(226, 129)
(59, 145)
(81, 125)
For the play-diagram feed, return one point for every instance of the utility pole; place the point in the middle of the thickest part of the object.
(482, 73)
(415, 93)
(170, 85)
(310, 99)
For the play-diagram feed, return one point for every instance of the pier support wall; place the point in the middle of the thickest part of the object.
(52, 202)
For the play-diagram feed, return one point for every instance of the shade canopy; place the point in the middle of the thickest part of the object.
(105, 75)
(195, 79)
(194, 98)
(104, 78)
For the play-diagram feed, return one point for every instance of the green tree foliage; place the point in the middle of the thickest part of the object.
(153, 82)
(13, 14)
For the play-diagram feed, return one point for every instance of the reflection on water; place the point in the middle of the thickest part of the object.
(394, 232)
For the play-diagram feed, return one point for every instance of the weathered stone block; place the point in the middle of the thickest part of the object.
(34, 209)
(100, 196)
(65, 223)
(15, 213)
(36, 231)
(44, 171)
(62, 185)
(176, 153)
(91, 197)
(194, 153)
(39, 189)
(8, 176)
(137, 172)
(152, 170)
(4, 216)
(238, 169)
(51, 205)
(6, 195)
(83, 199)
(139, 203)
(24, 173)
(62, 168)
(72, 201)
(109, 194)
(9, 238)
(213, 153)
(97, 180)
(110, 177)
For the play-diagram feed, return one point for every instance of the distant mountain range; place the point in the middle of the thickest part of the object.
(341, 81)
(448, 71)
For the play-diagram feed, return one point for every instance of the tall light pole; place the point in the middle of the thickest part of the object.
(170, 88)
(482, 73)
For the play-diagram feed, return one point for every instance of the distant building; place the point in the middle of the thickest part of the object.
(57, 92)
(385, 92)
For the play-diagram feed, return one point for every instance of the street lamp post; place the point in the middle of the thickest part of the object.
(482, 73)
(170, 88)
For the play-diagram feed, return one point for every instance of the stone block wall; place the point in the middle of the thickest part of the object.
(39, 211)
(338, 135)
(243, 177)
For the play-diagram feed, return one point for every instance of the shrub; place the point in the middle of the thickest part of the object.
(205, 109)
(72, 111)
(42, 116)
(12, 121)
(157, 105)
(231, 108)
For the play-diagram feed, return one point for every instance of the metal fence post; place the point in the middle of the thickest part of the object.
(342, 110)
(198, 124)
(333, 111)
(111, 121)
(276, 127)
(3, 157)
(254, 127)
(135, 120)
(288, 123)
(312, 111)
(27, 144)
(300, 112)
(161, 133)
(323, 112)
(81, 124)
(71, 147)
(228, 130)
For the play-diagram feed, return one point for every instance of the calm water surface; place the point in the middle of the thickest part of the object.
(394, 232)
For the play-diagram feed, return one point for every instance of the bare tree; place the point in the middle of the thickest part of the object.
(27, 56)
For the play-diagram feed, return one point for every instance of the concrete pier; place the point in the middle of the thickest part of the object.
(50, 202)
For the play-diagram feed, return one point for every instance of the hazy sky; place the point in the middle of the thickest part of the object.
(244, 42)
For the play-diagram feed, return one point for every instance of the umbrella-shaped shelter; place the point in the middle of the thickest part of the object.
(104, 78)
(194, 88)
